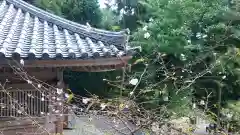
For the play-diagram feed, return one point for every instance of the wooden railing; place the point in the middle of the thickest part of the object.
(23, 103)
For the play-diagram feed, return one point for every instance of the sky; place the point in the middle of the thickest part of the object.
(102, 5)
(101, 2)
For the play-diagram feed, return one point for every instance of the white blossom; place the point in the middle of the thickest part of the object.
(131, 93)
(22, 62)
(81, 109)
(29, 81)
(66, 95)
(86, 100)
(122, 11)
(202, 102)
(74, 106)
(39, 85)
(224, 77)
(204, 36)
(19, 111)
(42, 99)
(194, 106)
(229, 115)
(59, 91)
(151, 20)
(114, 120)
(165, 98)
(103, 106)
(147, 35)
(189, 41)
(133, 81)
(145, 28)
(183, 57)
(132, 11)
(88, 27)
(160, 92)
(198, 35)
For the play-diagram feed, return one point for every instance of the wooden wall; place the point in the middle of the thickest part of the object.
(16, 84)
(43, 74)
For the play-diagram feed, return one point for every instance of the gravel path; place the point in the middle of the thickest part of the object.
(201, 129)
(97, 126)
(102, 125)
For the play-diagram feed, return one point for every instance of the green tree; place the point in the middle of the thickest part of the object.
(191, 48)
(53, 6)
(130, 12)
(80, 11)
(110, 21)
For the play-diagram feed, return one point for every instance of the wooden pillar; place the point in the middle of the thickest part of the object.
(123, 79)
(50, 117)
(65, 112)
(59, 102)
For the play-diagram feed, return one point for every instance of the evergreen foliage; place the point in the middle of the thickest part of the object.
(184, 39)
(80, 11)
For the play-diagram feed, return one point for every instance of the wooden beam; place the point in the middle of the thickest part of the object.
(69, 63)
(104, 68)
(43, 75)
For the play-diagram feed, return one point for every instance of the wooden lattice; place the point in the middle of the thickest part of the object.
(23, 103)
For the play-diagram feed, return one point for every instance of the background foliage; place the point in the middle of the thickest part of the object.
(191, 48)
(80, 11)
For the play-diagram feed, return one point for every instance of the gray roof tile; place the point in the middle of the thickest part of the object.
(29, 32)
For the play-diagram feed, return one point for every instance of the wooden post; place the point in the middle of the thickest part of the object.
(59, 103)
(51, 117)
(123, 79)
(65, 124)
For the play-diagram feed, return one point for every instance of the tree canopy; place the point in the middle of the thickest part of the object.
(80, 11)
(192, 50)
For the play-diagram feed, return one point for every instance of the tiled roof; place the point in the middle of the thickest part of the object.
(29, 32)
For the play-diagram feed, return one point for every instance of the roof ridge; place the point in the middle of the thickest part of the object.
(62, 22)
